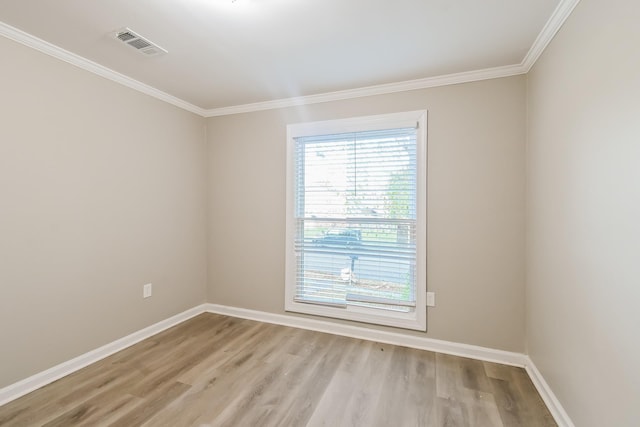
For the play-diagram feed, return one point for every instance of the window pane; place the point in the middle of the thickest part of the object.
(356, 219)
(365, 174)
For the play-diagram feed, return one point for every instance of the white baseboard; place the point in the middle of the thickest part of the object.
(360, 332)
(421, 343)
(16, 390)
(550, 399)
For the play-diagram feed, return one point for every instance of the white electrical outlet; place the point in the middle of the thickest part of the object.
(147, 290)
(431, 299)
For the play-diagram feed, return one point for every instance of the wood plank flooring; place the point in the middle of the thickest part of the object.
(216, 370)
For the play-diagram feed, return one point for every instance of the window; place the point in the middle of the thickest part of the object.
(356, 219)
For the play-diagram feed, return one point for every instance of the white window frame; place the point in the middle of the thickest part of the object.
(417, 319)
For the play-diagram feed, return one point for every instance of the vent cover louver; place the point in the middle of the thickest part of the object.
(138, 42)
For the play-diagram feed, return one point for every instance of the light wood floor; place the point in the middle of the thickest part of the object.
(215, 370)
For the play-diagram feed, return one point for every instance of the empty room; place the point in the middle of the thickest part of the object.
(320, 213)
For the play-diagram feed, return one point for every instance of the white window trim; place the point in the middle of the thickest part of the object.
(414, 320)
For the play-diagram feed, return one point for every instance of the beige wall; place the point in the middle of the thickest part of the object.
(475, 214)
(102, 189)
(583, 280)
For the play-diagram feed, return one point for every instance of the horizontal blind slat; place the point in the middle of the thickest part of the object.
(356, 219)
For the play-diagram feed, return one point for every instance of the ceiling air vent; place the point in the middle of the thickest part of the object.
(138, 42)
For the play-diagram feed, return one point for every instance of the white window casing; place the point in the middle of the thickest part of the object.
(356, 218)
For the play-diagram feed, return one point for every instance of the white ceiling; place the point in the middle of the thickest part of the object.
(224, 53)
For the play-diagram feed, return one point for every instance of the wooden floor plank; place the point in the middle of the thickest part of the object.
(474, 376)
(450, 412)
(332, 405)
(507, 402)
(297, 408)
(448, 377)
(214, 370)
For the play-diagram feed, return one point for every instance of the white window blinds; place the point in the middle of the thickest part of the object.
(355, 203)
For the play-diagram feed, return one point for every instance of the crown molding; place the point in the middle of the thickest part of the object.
(429, 82)
(550, 29)
(80, 62)
(552, 26)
